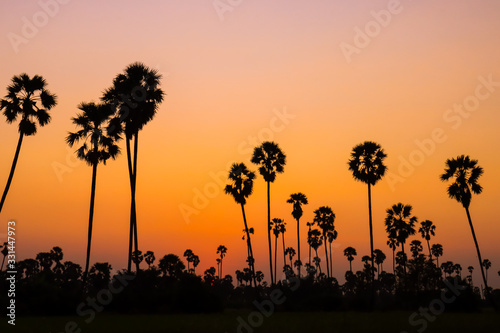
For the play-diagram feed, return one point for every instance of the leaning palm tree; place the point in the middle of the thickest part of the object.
(367, 166)
(350, 252)
(96, 147)
(427, 229)
(325, 218)
(271, 160)
(297, 200)
(136, 96)
(400, 224)
(240, 188)
(465, 173)
(28, 99)
(221, 251)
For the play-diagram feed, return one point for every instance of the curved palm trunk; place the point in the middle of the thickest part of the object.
(91, 220)
(429, 247)
(477, 249)
(131, 234)
(249, 244)
(269, 230)
(12, 169)
(134, 219)
(326, 255)
(298, 250)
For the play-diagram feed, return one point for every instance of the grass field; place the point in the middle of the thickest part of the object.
(228, 321)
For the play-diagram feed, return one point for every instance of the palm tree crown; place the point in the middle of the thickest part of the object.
(271, 160)
(400, 224)
(366, 163)
(466, 173)
(97, 146)
(29, 98)
(297, 199)
(241, 183)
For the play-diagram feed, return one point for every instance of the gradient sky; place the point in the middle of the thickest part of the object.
(225, 80)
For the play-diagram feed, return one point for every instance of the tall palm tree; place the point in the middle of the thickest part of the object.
(309, 225)
(350, 252)
(465, 173)
(29, 99)
(315, 241)
(136, 96)
(96, 147)
(221, 251)
(486, 265)
(240, 188)
(367, 166)
(427, 229)
(400, 224)
(188, 254)
(282, 232)
(276, 226)
(393, 244)
(331, 236)
(437, 251)
(297, 200)
(379, 260)
(325, 218)
(271, 160)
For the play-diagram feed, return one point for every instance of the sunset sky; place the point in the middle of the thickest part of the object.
(235, 76)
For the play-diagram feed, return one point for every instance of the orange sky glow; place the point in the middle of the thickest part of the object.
(260, 70)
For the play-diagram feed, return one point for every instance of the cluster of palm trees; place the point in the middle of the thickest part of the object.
(367, 165)
(124, 109)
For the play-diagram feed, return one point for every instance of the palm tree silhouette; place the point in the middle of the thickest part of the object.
(240, 188)
(315, 241)
(400, 224)
(136, 96)
(297, 200)
(367, 166)
(276, 225)
(188, 254)
(150, 258)
(309, 225)
(331, 236)
(427, 229)
(96, 147)
(437, 251)
(416, 247)
(486, 265)
(325, 218)
(350, 252)
(379, 260)
(29, 99)
(393, 244)
(4, 251)
(221, 251)
(271, 160)
(465, 173)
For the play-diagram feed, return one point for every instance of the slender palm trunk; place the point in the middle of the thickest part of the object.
(136, 246)
(319, 263)
(220, 273)
(331, 261)
(91, 220)
(298, 250)
(326, 256)
(131, 176)
(404, 256)
(269, 230)
(429, 247)
(309, 249)
(12, 169)
(394, 261)
(284, 255)
(478, 252)
(275, 254)
(371, 226)
(350, 265)
(249, 244)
